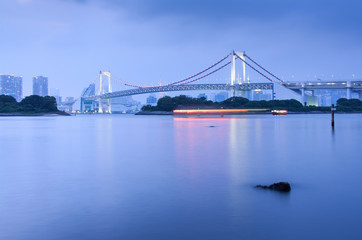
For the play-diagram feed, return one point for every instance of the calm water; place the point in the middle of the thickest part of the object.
(159, 177)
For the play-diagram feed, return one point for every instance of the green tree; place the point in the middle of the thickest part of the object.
(8, 104)
(50, 104)
(5, 99)
(40, 104)
(235, 102)
(33, 100)
(349, 102)
(165, 104)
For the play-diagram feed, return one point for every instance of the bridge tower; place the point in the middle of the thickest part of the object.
(233, 68)
(103, 90)
(349, 90)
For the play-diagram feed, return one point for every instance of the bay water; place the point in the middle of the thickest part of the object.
(167, 177)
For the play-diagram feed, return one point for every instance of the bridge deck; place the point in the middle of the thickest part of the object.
(186, 87)
(331, 85)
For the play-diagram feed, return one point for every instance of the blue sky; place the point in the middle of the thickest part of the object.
(145, 42)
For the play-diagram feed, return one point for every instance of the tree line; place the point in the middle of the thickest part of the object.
(30, 104)
(349, 105)
(171, 103)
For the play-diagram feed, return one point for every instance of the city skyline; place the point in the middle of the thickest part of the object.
(11, 85)
(40, 86)
(180, 119)
(148, 43)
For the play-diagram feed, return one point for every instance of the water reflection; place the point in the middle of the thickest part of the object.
(159, 177)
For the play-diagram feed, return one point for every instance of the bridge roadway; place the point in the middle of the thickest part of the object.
(349, 85)
(331, 85)
(185, 87)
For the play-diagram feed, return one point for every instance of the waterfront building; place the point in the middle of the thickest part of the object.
(87, 106)
(151, 100)
(221, 96)
(259, 95)
(40, 86)
(55, 92)
(202, 95)
(122, 104)
(329, 97)
(69, 99)
(12, 85)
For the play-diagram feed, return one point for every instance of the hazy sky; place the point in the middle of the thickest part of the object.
(146, 41)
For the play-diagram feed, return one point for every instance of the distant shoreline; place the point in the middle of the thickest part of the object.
(249, 113)
(54, 114)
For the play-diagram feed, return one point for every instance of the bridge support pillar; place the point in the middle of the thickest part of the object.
(304, 100)
(81, 105)
(242, 56)
(349, 92)
(233, 69)
(100, 107)
(109, 106)
(102, 90)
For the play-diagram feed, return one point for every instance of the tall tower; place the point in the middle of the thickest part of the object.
(12, 85)
(233, 68)
(103, 90)
(240, 55)
(242, 80)
(243, 67)
(40, 86)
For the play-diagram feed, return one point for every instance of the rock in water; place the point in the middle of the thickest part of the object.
(281, 187)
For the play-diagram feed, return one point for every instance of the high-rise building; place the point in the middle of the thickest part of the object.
(151, 100)
(55, 92)
(221, 96)
(69, 99)
(12, 85)
(40, 86)
(202, 95)
(18, 87)
(259, 95)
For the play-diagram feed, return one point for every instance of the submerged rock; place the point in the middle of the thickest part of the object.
(281, 187)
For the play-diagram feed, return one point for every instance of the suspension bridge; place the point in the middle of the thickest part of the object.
(101, 99)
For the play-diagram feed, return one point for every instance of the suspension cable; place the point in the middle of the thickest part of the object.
(263, 68)
(254, 69)
(197, 74)
(177, 82)
(194, 80)
(120, 80)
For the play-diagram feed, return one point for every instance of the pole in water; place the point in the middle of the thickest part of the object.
(332, 111)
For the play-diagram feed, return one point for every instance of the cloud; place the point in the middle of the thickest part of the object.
(336, 16)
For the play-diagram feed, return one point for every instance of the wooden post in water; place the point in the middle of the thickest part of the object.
(332, 111)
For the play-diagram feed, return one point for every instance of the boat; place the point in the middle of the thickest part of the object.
(279, 112)
(217, 111)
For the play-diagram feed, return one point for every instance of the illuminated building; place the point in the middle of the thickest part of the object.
(221, 96)
(202, 95)
(40, 86)
(11, 85)
(151, 100)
